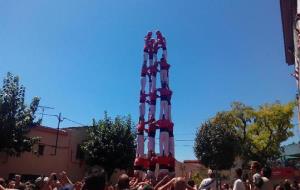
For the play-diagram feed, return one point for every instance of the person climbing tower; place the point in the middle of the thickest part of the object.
(151, 134)
(142, 108)
(165, 100)
(164, 71)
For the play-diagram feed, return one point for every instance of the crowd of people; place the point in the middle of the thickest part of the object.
(258, 179)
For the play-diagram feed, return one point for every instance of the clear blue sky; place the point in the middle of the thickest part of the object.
(84, 57)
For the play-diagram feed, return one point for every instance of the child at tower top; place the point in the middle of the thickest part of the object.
(147, 39)
(150, 50)
(161, 42)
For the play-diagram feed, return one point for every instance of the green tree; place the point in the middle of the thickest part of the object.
(271, 126)
(16, 118)
(110, 144)
(260, 131)
(215, 145)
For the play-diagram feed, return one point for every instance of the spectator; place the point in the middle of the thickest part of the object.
(257, 181)
(246, 181)
(279, 187)
(2, 184)
(238, 183)
(225, 186)
(96, 181)
(123, 182)
(208, 183)
(178, 183)
(287, 185)
(18, 183)
(192, 184)
(295, 185)
(266, 175)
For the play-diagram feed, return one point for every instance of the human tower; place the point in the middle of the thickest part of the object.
(149, 93)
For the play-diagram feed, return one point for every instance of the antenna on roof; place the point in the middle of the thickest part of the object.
(43, 110)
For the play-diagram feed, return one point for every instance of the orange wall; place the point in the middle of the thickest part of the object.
(30, 163)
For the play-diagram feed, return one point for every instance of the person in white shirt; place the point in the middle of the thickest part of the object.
(256, 177)
(208, 183)
(238, 183)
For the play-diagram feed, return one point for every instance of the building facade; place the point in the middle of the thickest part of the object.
(44, 159)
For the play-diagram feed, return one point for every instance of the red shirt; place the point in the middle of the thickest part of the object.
(164, 65)
(140, 127)
(152, 96)
(164, 92)
(152, 127)
(161, 41)
(138, 161)
(163, 123)
(171, 126)
(146, 163)
(153, 160)
(143, 97)
(171, 161)
(144, 70)
(153, 69)
(163, 160)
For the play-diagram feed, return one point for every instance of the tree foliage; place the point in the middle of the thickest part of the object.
(259, 131)
(16, 118)
(271, 126)
(215, 145)
(110, 144)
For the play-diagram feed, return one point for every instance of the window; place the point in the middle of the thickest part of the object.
(41, 149)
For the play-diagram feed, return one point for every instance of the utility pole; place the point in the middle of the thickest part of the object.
(57, 131)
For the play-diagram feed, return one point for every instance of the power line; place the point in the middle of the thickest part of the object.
(74, 121)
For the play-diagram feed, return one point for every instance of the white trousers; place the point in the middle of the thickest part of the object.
(152, 110)
(142, 110)
(164, 143)
(143, 83)
(153, 84)
(171, 146)
(164, 78)
(165, 54)
(151, 144)
(145, 56)
(140, 145)
(150, 62)
(155, 57)
(163, 109)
